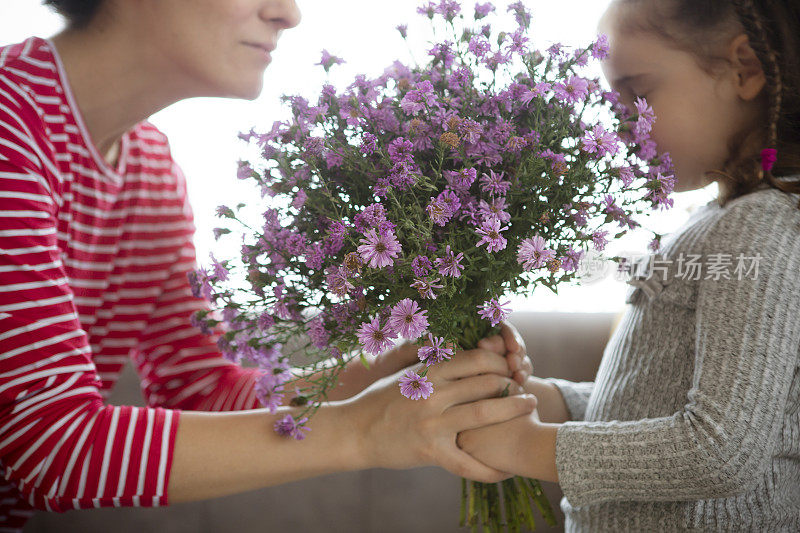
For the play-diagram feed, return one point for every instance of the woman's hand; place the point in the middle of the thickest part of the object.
(403, 433)
(509, 343)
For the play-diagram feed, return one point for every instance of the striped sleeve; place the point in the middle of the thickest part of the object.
(721, 442)
(59, 444)
(180, 366)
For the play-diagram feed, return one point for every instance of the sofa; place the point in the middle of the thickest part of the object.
(565, 345)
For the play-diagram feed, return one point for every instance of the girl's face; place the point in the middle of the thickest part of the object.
(215, 47)
(696, 114)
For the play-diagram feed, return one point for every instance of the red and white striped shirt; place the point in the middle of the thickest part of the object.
(93, 270)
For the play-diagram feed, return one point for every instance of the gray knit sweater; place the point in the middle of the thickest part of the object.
(693, 420)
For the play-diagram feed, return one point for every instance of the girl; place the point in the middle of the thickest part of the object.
(693, 420)
(95, 247)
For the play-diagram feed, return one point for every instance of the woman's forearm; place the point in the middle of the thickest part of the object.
(551, 406)
(217, 454)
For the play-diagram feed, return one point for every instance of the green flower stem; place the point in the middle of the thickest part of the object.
(540, 499)
(462, 521)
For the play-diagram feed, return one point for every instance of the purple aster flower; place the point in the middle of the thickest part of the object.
(425, 287)
(318, 334)
(368, 143)
(403, 29)
(461, 180)
(612, 209)
(483, 10)
(655, 245)
(600, 48)
(494, 311)
(370, 217)
(411, 104)
(408, 319)
(495, 209)
(450, 264)
(626, 175)
(439, 211)
(414, 386)
(443, 52)
(269, 390)
(532, 253)
(521, 13)
(288, 427)
(494, 184)
(479, 46)
(421, 266)
(225, 211)
(378, 250)
(575, 90)
(470, 131)
(448, 9)
(435, 353)
(329, 60)
(601, 142)
(220, 271)
(646, 119)
(374, 338)
(490, 235)
(400, 150)
(569, 262)
(600, 240)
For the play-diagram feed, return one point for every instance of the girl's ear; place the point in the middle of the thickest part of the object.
(747, 69)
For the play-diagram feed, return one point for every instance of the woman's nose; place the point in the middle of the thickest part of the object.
(290, 13)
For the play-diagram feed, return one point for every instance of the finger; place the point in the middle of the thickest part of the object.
(527, 366)
(521, 371)
(511, 337)
(472, 362)
(472, 389)
(487, 412)
(495, 344)
(462, 464)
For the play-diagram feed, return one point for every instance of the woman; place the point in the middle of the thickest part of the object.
(95, 246)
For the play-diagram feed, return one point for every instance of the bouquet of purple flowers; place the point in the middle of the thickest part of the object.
(409, 205)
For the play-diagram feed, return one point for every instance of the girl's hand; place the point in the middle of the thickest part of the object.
(509, 343)
(522, 446)
(502, 446)
(403, 433)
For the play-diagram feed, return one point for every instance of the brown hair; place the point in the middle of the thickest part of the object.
(78, 13)
(703, 28)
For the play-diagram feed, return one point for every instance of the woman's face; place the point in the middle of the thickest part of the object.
(696, 114)
(215, 47)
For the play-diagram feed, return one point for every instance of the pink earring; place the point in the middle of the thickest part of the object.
(768, 158)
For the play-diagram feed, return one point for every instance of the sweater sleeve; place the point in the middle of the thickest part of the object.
(575, 394)
(180, 366)
(746, 352)
(59, 444)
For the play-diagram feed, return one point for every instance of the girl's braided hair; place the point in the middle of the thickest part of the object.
(703, 27)
(77, 12)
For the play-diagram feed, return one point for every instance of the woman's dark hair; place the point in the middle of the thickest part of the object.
(703, 27)
(77, 12)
